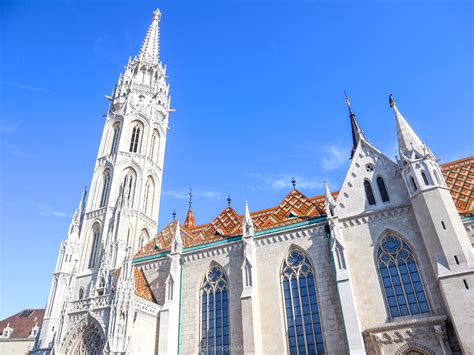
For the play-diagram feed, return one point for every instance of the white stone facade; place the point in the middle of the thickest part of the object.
(94, 306)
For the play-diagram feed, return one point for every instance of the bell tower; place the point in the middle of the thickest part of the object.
(122, 209)
(443, 232)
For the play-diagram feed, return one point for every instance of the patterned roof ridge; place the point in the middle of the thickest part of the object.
(294, 205)
(162, 241)
(225, 222)
(459, 176)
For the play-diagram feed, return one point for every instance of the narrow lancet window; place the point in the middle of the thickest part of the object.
(105, 189)
(425, 179)
(382, 189)
(215, 313)
(135, 139)
(94, 247)
(413, 184)
(303, 323)
(369, 193)
(401, 280)
(113, 147)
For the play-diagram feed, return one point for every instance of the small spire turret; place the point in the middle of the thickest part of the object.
(190, 220)
(357, 133)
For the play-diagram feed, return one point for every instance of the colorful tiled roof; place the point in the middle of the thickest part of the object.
(23, 322)
(142, 287)
(294, 208)
(459, 176)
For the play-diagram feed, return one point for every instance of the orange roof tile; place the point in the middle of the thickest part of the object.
(459, 176)
(142, 287)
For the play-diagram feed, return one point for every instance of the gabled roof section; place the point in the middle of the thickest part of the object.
(294, 205)
(23, 322)
(459, 176)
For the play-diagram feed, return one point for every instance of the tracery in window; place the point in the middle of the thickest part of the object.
(135, 138)
(403, 287)
(91, 343)
(215, 313)
(382, 189)
(369, 193)
(304, 331)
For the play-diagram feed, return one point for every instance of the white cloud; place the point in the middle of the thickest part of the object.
(335, 157)
(46, 210)
(27, 87)
(283, 181)
(184, 195)
(7, 127)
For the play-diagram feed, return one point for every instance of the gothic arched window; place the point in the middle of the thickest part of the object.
(113, 147)
(438, 180)
(369, 193)
(382, 189)
(154, 148)
(94, 247)
(215, 313)
(303, 323)
(413, 184)
(81, 293)
(135, 138)
(425, 179)
(148, 199)
(403, 286)
(105, 189)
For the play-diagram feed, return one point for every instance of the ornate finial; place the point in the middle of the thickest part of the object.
(293, 182)
(174, 215)
(348, 103)
(190, 197)
(156, 15)
(229, 201)
(391, 100)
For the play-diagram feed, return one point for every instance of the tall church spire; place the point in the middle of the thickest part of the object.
(150, 50)
(357, 133)
(190, 221)
(408, 140)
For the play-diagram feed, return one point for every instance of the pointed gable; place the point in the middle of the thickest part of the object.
(294, 205)
(459, 176)
(225, 222)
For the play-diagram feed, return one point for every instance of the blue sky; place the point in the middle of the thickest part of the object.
(258, 92)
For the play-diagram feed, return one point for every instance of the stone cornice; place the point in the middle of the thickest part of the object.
(418, 322)
(364, 218)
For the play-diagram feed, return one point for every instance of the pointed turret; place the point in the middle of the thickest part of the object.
(177, 246)
(150, 50)
(247, 228)
(78, 214)
(357, 133)
(408, 140)
(330, 203)
(190, 221)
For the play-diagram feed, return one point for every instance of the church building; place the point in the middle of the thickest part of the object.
(382, 265)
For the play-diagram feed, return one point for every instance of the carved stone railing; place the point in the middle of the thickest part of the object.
(79, 306)
(96, 213)
(101, 301)
(146, 306)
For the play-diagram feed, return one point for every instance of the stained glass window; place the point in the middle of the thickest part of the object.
(403, 287)
(304, 331)
(215, 337)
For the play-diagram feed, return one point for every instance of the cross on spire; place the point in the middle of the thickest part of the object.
(190, 198)
(293, 182)
(229, 201)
